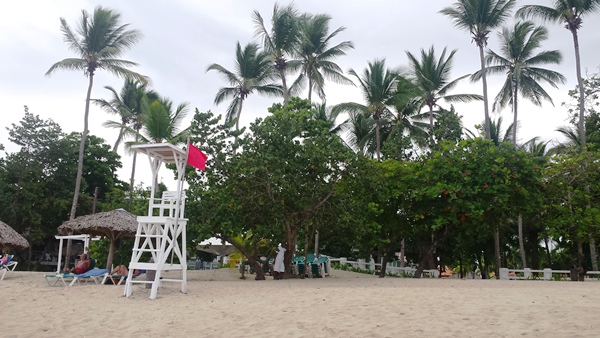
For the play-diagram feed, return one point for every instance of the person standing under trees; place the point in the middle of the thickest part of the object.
(278, 265)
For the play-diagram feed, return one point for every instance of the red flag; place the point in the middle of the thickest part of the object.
(196, 158)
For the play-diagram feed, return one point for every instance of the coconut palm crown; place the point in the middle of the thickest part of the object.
(253, 73)
(571, 13)
(281, 40)
(432, 76)
(521, 63)
(315, 55)
(480, 17)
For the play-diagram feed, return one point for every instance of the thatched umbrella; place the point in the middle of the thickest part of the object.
(10, 238)
(113, 224)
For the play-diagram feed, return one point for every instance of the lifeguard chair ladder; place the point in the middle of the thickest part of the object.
(162, 232)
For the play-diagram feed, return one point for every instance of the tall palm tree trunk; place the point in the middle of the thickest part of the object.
(497, 250)
(132, 178)
(239, 113)
(378, 139)
(119, 138)
(309, 90)
(80, 163)
(581, 127)
(485, 94)
(581, 123)
(514, 137)
(431, 118)
(286, 94)
(237, 124)
(593, 254)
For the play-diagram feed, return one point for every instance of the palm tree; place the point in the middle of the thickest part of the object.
(479, 17)
(378, 85)
(131, 105)
(281, 41)
(99, 41)
(569, 12)
(253, 73)
(315, 55)
(431, 76)
(572, 139)
(521, 64)
(128, 104)
(161, 123)
(359, 132)
(326, 114)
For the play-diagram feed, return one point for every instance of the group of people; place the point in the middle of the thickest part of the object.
(84, 264)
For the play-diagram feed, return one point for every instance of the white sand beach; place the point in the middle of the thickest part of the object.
(219, 304)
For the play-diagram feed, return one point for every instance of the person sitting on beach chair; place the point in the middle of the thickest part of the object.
(121, 270)
(4, 260)
(80, 267)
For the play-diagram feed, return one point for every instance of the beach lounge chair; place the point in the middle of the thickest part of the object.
(69, 279)
(319, 267)
(9, 266)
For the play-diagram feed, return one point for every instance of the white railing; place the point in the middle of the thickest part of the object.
(546, 274)
(372, 266)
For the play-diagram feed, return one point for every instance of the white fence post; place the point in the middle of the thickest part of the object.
(503, 273)
(547, 274)
(362, 264)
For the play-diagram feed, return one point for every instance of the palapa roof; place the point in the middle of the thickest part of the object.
(113, 224)
(10, 238)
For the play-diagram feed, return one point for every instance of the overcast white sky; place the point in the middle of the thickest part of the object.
(183, 37)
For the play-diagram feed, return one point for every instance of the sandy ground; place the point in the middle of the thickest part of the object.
(219, 304)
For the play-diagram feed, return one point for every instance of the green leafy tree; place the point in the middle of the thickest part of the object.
(266, 188)
(570, 13)
(471, 188)
(34, 181)
(479, 17)
(572, 199)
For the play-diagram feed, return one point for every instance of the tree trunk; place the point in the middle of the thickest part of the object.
(497, 250)
(80, 164)
(593, 254)
(111, 254)
(581, 123)
(548, 250)
(377, 138)
(485, 94)
(309, 90)
(402, 253)
(580, 252)
(132, 179)
(521, 241)
(237, 124)
(426, 257)
(119, 138)
(384, 260)
(431, 120)
(514, 98)
(286, 94)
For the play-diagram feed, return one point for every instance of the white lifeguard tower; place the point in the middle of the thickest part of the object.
(162, 232)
